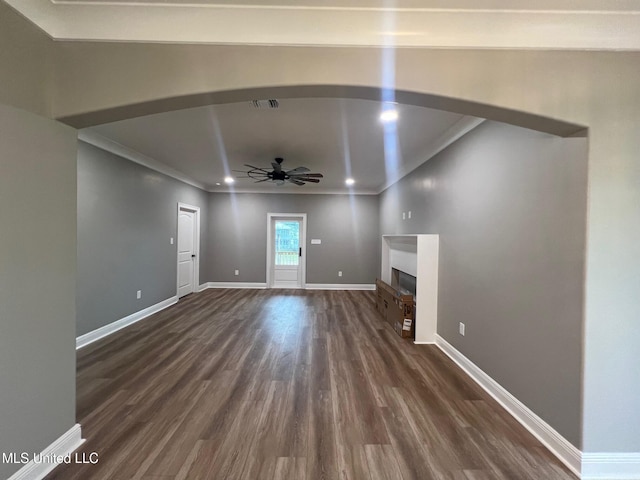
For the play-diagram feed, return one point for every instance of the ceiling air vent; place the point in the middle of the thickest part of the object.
(271, 103)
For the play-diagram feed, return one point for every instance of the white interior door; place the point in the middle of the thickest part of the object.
(287, 252)
(186, 252)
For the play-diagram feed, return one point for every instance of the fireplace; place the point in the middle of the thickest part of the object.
(410, 264)
(403, 282)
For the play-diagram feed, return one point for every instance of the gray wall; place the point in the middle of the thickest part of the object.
(127, 214)
(347, 226)
(510, 207)
(37, 282)
(24, 63)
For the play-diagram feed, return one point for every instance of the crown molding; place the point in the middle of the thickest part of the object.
(290, 191)
(449, 136)
(560, 25)
(108, 145)
(104, 143)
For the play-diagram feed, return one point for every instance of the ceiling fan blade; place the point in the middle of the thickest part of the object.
(256, 168)
(310, 175)
(258, 175)
(305, 177)
(297, 176)
(298, 170)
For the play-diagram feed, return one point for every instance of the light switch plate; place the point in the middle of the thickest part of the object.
(316, 241)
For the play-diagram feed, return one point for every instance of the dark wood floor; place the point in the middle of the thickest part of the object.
(259, 384)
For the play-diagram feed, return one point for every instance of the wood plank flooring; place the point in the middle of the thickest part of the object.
(275, 384)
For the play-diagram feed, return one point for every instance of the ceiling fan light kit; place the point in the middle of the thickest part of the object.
(298, 176)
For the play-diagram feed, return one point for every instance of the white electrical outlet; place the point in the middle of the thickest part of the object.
(139, 294)
(339, 273)
(404, 215)
(461, 328)
(409, 214)
(171, 241)
(236, 273)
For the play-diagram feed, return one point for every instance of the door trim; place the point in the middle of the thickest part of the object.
(196, 268)
(303, 244)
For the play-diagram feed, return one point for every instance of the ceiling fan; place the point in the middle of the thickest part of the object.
(297, 176)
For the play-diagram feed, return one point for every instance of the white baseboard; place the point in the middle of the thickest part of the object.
(424, 343)
(87, 338)
(341, 286)
(611, 466)
(309, 286)
(65, 445)
(249, 285)
(556, 443)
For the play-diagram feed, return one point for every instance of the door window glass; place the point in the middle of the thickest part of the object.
(287, 242)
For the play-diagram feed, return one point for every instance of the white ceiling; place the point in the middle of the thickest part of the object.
(335, 137)
(549, 24)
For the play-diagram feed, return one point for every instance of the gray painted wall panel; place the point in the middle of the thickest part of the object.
(347, 226)
(127, 214)
(25, 63)
(510, 207)
(37, 282)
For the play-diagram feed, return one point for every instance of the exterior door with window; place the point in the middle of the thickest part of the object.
(287, 254)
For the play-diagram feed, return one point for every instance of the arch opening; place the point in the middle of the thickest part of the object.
(455, 105)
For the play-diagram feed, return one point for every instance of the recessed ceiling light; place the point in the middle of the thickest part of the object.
(228, 180)
(349, 181)
(218, 183)
(389, 115)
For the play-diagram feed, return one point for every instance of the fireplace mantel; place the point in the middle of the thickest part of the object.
(416, 255)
